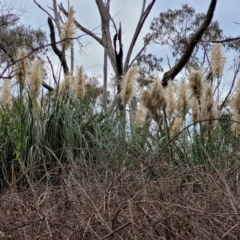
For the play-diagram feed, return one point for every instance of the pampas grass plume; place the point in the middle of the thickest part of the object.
(154, 100)
(182, 99)
(208, 108)
(21, 68)
(68, 30)
(157, 95)
(80, 84)
(6, 93)
(36, 77)
(217, 60)
(140, 115)
(170, 100)
(65, 84)
(195, 109)
(196, 83)
(177, 126)
(145, 99)
(128, 85)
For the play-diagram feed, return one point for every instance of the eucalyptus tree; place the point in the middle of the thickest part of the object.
(14, 35)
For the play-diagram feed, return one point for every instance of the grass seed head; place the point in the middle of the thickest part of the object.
(36, 77)
(128, 85)
(217, 60)
(177, 125)
(182, 104)
(21, 68)
(196, 83)
(6, 96)
(66, 84)
(170, 99)
(140, 115)
(68, 30)
(208, 106)
(157, 95)
(80, 84)
(195, 109)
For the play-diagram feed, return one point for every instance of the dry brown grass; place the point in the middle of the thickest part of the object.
(183, 204)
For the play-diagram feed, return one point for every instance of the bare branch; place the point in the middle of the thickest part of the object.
(44, 10)
(173, 72)
(222, 41)
(3, 47)
(108, 9)
(143, 7)
(57, 21)
(47, 86)
(106, 36)
(142, 49)
(59, 53)
(78, 25)
(117, 230)
(232, 85)
(141, 21)
(54, 78)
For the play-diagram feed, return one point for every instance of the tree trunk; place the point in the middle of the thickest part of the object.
(104, 97)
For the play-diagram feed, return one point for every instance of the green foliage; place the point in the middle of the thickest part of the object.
(15, 36)
(175, 27)
(65, 132)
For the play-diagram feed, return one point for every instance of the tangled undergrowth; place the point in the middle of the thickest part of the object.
(185, 203)
(71, 169)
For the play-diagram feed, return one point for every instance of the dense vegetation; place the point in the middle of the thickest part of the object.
(73, 169)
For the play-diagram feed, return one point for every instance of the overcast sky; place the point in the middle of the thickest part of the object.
(127, 12)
